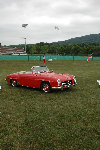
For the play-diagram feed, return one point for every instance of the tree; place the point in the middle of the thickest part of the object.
(32, 49)
(28, 47)
(44, 49)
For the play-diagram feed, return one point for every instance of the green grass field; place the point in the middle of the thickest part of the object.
(61, 120)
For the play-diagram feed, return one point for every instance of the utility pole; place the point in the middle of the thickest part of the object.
(24, 25)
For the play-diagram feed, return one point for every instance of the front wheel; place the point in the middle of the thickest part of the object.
(45, 87)
(14, 83)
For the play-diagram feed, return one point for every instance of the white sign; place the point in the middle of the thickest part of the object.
(0, 87)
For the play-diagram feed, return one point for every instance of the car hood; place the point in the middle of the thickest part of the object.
(52, 75)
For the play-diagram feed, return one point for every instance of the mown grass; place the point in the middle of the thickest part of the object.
(61, 120)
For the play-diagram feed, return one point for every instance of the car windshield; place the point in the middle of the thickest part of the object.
(38, 69)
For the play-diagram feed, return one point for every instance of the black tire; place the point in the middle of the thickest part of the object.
(45, 87)
(13, 83)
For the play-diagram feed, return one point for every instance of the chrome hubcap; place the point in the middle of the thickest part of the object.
(14, 83)
(45, 88)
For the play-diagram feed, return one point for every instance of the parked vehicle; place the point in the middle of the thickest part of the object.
(40, 77)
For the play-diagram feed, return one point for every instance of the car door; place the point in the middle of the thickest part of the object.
(27, 80)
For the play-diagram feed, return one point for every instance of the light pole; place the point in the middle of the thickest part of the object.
(24, 25)
(57, 32)
(25, 43)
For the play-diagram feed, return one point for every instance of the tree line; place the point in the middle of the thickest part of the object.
(65, 49)
(83, 45)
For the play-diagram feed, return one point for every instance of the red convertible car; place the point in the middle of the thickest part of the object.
(41, 77)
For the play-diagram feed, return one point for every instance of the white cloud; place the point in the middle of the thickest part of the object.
(74, 18)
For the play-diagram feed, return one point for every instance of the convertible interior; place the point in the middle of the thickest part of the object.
(35, 69)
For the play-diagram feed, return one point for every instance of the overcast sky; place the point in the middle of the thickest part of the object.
(75, 18)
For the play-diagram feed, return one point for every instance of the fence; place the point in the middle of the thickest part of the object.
(32, 57)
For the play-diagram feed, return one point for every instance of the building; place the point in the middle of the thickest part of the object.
(10, 51)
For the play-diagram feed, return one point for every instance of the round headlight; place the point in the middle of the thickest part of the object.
(58, 81)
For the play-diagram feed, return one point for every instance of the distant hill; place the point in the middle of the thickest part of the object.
(92, 38)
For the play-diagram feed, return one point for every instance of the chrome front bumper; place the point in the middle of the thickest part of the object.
(63, 86)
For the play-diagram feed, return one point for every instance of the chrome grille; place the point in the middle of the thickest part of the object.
(69, 82)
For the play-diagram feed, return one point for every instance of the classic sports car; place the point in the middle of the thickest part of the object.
(41, 77)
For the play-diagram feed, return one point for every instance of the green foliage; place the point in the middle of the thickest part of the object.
(92, 38)
(65, 49)
(76, 46)
(32, 49)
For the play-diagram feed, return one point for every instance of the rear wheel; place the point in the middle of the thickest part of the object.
(14, 83)
(45, 87)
